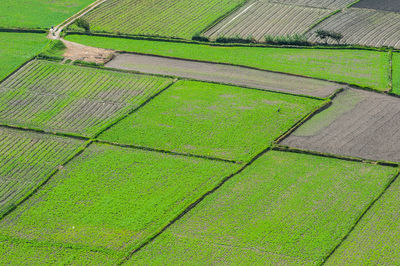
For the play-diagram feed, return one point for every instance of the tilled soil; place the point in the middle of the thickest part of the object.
(388, 5)
(76, 51)
(232, 75)
(368, 127)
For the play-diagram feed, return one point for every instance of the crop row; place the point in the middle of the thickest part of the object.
(26, 160)
(71, 99)
(164, 18)
(259, 19)
(363, 27)
(329, 4)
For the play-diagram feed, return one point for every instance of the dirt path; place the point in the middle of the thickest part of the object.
(233, 75)
(359, 123)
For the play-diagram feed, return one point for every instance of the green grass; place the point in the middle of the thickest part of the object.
(212, 120)
(54, 50)
(284, 209)
(17, 48)
(359, 67)
(71, 99)
(181, 19)
(34, 14)
(112, 199)
(396, 73)
(27, 160)
(376, 238)
(22, 253)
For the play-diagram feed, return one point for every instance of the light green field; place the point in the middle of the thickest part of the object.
(17, 48)
(396, 73)
(212, 120)
(71, 99)
(181, 19)
(112, 199)
(284, 209)
(33, 14)
(376, 238)
(20, 253)
(26, 160)
(359, 67)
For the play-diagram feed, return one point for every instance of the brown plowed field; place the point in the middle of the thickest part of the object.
(388, 5)
(233, 75)
(330, 4)
(359, 124)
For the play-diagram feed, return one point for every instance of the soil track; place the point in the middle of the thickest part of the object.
(233, 75)
(388, 5)
(358, 124)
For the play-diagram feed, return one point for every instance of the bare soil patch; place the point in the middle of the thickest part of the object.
(76, 51)
(232, 75)
(370, 129)
(388, 5)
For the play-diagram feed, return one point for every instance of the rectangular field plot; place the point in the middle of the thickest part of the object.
(359, 124)
(113, 199)
(388, 5)
(329, 4)
(17, 48)
(181, 19)
(396, 73)
(28, 159)
(19, 253)
(38, 13)
(360, 67)
(71, 99)
(376, 238)
(211, 120)
(257, 19)
(227, 74)
(285, 208)
(361, 26)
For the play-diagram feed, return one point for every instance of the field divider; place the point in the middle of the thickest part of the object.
(41, 131)
(167, 152)
(22, 30)
(395, 177)
(390, 71)
(119, 119)
(29, 194)
(283, 148)
(193, 205)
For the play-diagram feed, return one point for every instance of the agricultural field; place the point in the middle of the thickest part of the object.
(259, 19)
(227, 74)
(112, 199)
(17, 48)
(27, 160)
(328, 4)
(388, 5)
(286, 208)
(359, 124)
(359, 67)
(396, 73)
(14, 252)
(71, 99)
(168, 18)
(38, 14)
(360, 26)
(212, 120)
(375, 240)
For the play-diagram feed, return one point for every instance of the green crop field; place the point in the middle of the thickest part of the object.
(396, 73)
(376, 239)
(24, 253)
(71, 99)
(27, 160)
(286, 208)
(17, 48)
(359, 67)
(35, 14)
(112, 199)
(212, 120)
(181, 19)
